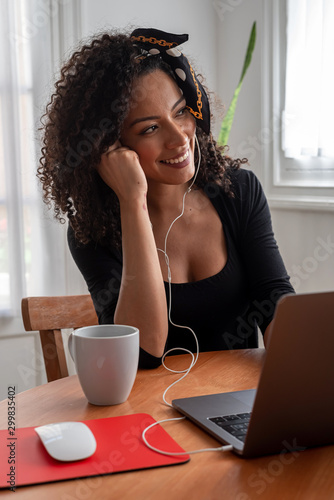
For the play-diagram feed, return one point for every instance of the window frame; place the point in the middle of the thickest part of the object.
(289, 182)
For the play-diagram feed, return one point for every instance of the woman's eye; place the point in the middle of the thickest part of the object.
(182, 110)
(149, 129)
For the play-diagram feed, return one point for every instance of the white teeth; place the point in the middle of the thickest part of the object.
(178, 160)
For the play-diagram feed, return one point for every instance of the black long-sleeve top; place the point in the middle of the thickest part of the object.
(224, 310)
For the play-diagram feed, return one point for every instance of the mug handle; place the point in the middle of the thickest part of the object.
(70, 346)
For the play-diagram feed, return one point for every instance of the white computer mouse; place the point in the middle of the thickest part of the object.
(67, 441)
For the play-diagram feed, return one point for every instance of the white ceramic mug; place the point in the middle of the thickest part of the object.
(106, 360)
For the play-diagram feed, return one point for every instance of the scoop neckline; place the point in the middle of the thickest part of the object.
(209, 278)
(227, 263)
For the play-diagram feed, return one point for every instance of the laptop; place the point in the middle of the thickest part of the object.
(293, 405)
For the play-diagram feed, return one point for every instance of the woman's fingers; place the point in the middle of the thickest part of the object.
(121, 170)
(114, 146)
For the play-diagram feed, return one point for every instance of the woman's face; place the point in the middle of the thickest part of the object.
(160, 129)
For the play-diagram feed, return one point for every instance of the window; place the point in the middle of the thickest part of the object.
(33, 36)
(16, 191)
(309, 81)
(298, 161)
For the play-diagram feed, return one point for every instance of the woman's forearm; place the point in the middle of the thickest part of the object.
(142, 298)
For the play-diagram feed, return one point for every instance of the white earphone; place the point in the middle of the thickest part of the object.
(194, 357)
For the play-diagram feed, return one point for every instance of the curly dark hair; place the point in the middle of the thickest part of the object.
(83, 118)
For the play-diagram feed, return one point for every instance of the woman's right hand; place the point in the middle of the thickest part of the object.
(121, 170)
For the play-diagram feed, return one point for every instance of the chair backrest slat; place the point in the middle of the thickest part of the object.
(50, 315)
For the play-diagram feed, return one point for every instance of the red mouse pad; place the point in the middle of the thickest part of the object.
(120, 448)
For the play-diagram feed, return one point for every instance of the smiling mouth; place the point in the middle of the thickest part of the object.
(180, 159)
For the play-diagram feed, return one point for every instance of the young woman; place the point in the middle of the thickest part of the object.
(168, 231)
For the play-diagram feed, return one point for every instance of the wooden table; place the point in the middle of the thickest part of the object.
(213, 475)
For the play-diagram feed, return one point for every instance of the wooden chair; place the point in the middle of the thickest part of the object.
(49, 315)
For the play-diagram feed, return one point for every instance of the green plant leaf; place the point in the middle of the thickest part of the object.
(228, 119)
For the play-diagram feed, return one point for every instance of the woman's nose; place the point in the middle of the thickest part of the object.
(176, 136)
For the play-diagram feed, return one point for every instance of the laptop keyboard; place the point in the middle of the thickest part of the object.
(236, 425)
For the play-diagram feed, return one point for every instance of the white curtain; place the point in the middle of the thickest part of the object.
(34, 35)
(309, 95)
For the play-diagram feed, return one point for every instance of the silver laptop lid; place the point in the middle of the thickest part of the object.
(294, 402)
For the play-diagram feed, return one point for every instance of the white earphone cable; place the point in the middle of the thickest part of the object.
(194, 358)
